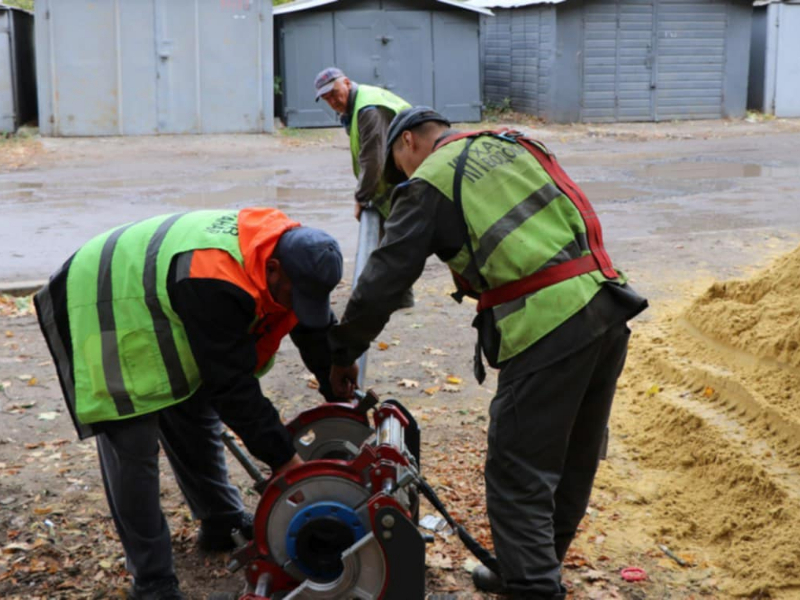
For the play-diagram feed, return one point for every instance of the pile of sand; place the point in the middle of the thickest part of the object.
(760, 316)
(709, 410)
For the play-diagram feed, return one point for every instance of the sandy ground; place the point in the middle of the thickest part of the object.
(703, 458)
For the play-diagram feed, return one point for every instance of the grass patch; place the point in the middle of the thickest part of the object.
(26, 4)
(17, 149)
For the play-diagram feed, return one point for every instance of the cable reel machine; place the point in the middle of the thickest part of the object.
(343, 525)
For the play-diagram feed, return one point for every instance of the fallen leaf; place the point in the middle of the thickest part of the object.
(653, 390)
(383, 346)
(24, 377)
(408, 383)
(708, 392)
(9, 334)
(439, 561)
(435, 351)
(594, 575)
(432, 390)
(34, 445)
(48, 416)
(453, 379)
(15, 547)
(470, 564)
(33, 381)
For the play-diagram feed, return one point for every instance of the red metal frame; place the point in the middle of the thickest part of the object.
(331, 410)
(372, 466)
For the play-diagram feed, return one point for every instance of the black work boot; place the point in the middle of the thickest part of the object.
(166, 588)
(215, 534)
(487, 580)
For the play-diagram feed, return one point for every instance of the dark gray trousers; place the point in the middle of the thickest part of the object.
(545, 438)
(189, 433)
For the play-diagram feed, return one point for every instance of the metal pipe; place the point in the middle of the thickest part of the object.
(244, 460)
(263, 585)
(368, 234)
(390, 432)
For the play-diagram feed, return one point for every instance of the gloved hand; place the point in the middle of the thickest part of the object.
(343, 380)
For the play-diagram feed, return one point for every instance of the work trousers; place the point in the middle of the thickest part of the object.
(545, 439)
(189, 433)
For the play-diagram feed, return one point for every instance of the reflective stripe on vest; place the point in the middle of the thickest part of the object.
(131, 354)
(367, 95)
(520, 223)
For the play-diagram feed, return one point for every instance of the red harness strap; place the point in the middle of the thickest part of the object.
(541, 279)
(594, 233)
(597, 260)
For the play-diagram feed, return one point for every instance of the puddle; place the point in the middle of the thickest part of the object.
(604, 191)
(715, 170)
(246, 175)
(257, 195)
(19, 185)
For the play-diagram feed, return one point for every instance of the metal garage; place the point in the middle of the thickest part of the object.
(617, 60)
(120, 67)
(17, 69)
(427, 51)
(775, 58)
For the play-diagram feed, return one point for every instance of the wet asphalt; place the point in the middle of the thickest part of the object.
(672, 207)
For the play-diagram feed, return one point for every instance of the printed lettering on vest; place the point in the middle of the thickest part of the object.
(226, 224)
(485, 155)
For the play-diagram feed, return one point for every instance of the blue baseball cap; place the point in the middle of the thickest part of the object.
(312, 260)
(325, 80)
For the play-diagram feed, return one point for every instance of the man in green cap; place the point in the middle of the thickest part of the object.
(520, 238)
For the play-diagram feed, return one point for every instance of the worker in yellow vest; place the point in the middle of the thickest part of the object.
(366, 112)
(521, 238)
(159, 330)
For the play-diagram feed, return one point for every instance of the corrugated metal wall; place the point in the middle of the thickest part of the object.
(496, 55)
(120, 67)
(518, 53)
(691, 59)
(428, 57)
(620, 60)
(648, 60)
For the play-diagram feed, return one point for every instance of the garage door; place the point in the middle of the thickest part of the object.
(651, 60)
